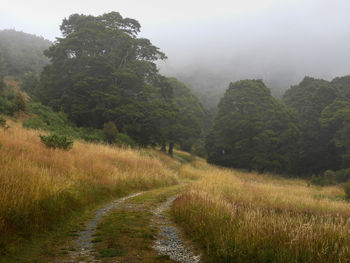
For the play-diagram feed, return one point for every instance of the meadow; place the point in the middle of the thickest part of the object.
(40, 187)
(235, 216)
(246, 217)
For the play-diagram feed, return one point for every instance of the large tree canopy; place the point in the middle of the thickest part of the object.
(252, 130)
(316, 152)
(101, 71)
(183, 124)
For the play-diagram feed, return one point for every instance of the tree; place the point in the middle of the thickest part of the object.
(102, 72)
(188, 117)
(30, 83)
(252, 130)
(316, 152)
(335, 119)
(342, 86)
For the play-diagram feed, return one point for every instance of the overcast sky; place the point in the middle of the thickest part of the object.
(233, 39)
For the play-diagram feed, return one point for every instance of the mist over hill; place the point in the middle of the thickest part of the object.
(22, 52)
(280, 44)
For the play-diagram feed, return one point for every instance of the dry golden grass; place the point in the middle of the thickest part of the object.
(244, 217)
(40, 186)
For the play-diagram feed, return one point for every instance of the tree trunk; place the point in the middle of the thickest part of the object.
(171, 147)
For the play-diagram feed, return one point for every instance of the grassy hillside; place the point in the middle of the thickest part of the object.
(235, 216)
(244, 217)
(40, 187)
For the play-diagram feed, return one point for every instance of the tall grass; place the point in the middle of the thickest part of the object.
(41, 186)
(242, 217)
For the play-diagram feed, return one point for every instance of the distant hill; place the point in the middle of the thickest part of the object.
(22, 52)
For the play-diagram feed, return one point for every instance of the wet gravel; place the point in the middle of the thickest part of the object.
(169, 241)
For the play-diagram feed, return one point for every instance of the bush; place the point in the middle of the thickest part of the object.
(110, 131)
(327, 178)
(57, 141)
(343, 175)
(44, 118)
(90, 134)
(124, 140)
(6, 106)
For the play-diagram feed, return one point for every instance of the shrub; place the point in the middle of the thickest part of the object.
(6, 106)
(57, 141)
(327, 178)
(124, 140)
(110, 131)
(343, 175)
(90, 134)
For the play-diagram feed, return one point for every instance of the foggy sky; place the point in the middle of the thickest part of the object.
(279, 41)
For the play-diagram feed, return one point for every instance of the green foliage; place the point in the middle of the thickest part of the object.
(6, 106)
(327, 178)
(315, 151)
(180, 116)
(199, 149)
(343, 175)
(110, 131)
(57, 141)
(30, 84)
(102, 72)
(252, 130)
(330, 177)
(22, 52)
(124, 140)
(44, 118)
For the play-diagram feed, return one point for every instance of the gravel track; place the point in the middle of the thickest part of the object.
(83, 251)
(169, 241)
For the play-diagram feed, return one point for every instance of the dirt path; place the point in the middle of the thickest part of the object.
(83, 247)
(135, 228)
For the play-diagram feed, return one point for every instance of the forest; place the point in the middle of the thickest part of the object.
(100, 82)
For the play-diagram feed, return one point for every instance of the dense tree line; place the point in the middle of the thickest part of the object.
(100, 76)
(307, 133)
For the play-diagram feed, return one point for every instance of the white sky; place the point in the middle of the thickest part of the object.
(239, 38)
(42, 17)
